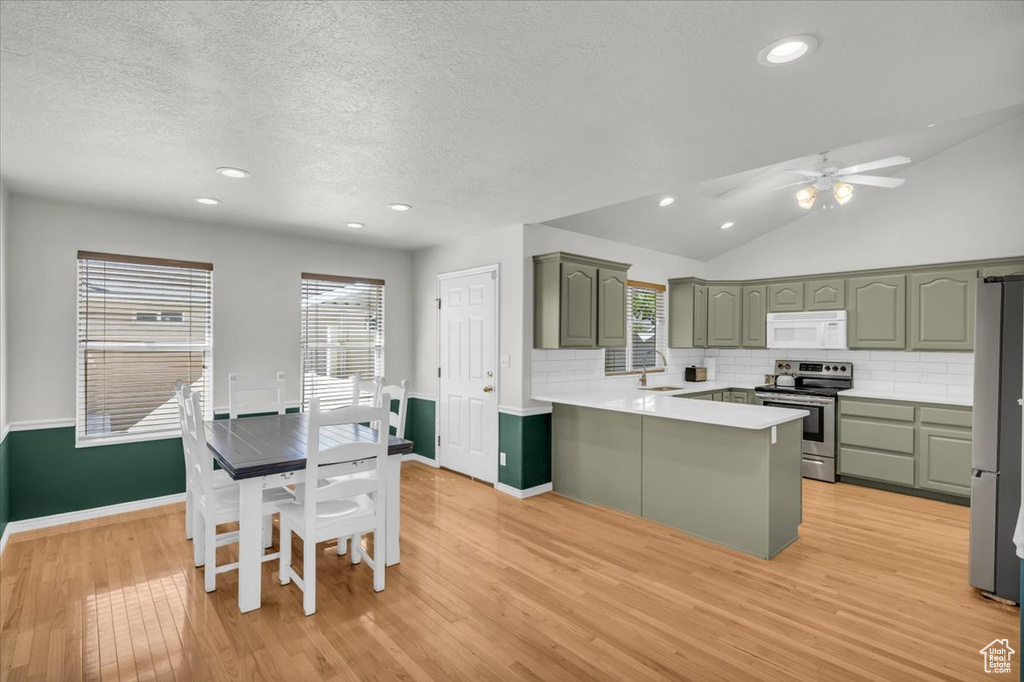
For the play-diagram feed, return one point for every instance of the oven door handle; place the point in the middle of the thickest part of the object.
(810, 402)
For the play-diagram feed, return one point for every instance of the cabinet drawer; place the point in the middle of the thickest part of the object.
(880, 466)
(901, 413)
(946, 417)
(877, 435)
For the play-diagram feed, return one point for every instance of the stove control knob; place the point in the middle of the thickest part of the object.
(780, 365)
(787, 365)
(843, 368)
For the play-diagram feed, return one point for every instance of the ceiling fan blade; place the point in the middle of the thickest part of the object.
(873, 165)
(801, 171)
(803, 183)
(873, 180)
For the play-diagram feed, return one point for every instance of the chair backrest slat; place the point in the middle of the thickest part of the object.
(241, 398)
(202, 457)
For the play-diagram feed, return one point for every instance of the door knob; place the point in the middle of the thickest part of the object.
(488, 389)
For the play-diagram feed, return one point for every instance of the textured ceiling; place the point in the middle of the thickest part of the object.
(478, 114)
(761, 200)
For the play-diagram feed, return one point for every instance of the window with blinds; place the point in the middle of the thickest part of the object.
(342, 335)
(645, 313)
(143, 325)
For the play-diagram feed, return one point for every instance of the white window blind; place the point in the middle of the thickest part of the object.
(645, 316)
(342, 335)
(143, 324)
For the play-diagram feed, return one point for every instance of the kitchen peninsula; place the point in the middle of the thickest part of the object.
(725, 472)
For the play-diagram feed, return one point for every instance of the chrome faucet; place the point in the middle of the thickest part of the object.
(643, 374)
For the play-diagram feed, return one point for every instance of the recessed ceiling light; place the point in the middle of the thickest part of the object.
(666, 201)
(399, 207)
(931, 125)
(787, 50)
(229, 172)
(355, 226)
(208, 201)
(726, 226)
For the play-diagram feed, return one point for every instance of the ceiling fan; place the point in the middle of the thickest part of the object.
(827, 176)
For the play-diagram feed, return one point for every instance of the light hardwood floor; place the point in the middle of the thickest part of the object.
(491, 587)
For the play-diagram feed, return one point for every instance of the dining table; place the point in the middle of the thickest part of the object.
(264, 452)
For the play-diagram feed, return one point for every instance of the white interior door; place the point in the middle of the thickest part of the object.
(467, 387)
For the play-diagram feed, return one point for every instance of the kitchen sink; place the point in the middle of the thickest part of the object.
(662, 388)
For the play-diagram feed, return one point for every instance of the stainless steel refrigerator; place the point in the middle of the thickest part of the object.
(996, 450)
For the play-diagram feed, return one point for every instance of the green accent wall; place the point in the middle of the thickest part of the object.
(48, 475)
(419, 426)
(526, 442)
(5, 483)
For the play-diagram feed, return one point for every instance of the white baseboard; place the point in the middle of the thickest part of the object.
(413, 457)
(523, 494)
(86, 514)
(5, 537)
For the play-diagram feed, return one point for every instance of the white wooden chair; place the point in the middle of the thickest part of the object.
(249, 397)
(182, 393)
(362, 387)
(399, 392)
(214, 506)
(333, 509)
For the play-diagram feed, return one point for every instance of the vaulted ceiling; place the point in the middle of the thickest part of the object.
(480, 115)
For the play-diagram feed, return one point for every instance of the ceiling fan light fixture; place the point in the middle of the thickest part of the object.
(787, 50)
(805, 197)
(843, 192)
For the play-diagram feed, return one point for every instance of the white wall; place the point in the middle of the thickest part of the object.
(964, 203)
(256, 280)
(504, 247)
(4, 376)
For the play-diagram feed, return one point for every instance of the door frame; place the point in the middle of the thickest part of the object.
(494, 268)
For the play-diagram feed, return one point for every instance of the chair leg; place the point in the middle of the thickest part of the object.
(198, 543)
(209, 531)
(268, 530)
(309, 574)
(342, 545)
(285, 562)
(357, 548)
(188, 511)
(379, 554)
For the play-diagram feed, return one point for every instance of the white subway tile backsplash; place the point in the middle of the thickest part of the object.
(960, 369)
(962, 391)
(897, 355)
(957, 358)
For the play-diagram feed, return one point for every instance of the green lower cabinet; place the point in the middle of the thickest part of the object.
(744, 397)
(705, 396)
(944, 462)
(718, 396)
(911, 445)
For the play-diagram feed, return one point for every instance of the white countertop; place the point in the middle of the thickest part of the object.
(655, 404)
(883, 394)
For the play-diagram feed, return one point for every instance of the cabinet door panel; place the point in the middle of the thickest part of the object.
(942, 310)
(877, 435)
(825, 294)
(944, 461)
(700, 315)
(880, 466)
(786, 297)
(611, 309)
(755, 332)
(724, 316)
(579, 305)
(877, 311)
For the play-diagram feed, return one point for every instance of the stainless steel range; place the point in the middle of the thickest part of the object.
(811, 385)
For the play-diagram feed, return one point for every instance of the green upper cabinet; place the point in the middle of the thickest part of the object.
(755, 310)
(825, 294)
(687, 313)
(724, 315)
(1003, 270)
(942, 310)
(611, 308)
(579, 305)
(786, 297)
(877, 311)
(578, 302)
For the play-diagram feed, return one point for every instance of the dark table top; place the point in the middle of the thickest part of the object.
(258, 446)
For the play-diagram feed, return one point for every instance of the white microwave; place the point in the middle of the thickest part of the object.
(819, 329)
